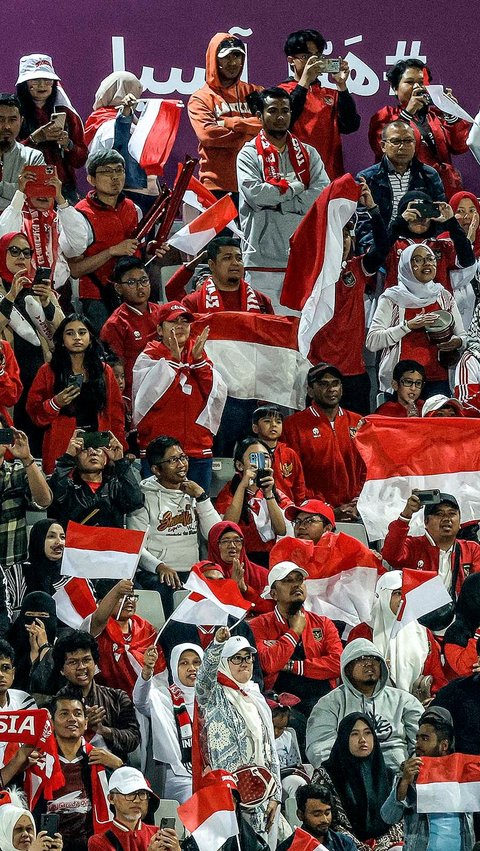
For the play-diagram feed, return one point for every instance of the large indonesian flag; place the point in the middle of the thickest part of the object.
(342, 574)
(195, 235)
(211, 601)
(155, 133)
(209, 815)
(449, 784)
(74, 601)
(257, 356)
(422, 593)
(97, 552)
(315, 259)
(401, 455)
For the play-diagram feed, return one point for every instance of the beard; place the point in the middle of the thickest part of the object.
(294, 607)
(5, 145)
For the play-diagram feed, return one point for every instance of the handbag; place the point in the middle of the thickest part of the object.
(255, 785)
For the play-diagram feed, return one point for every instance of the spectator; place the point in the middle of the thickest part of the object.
(402, 314)
(109, 222)
(33, 634)
(12, 758)
(134, 324)
(226, 550)
(131, 800)
(322, 437)
(286, 742)
(311, 519)
(171, 715)
(18, 831)
(59, 140)
(10, 385)
(413, 655)
(359, 781)
(435, 738)
(252, 501)
(219, 114)
(95, 487)
(398, 172)
(467, 373)
(460, 697)
(225, 288)
(109, 711)
(27, 322)
(441, 406)
(22, 486)
(237, 721)
(267, 424)
(175, 509)
(465, 283)
(315, 809)
(299, 651)
(394, 712)
(437, 135)
(341, 340)
(319, 114)
(460, 643)
(14, 155)
(46, 544)
(408, 378)
(279, 179)
(178, 391)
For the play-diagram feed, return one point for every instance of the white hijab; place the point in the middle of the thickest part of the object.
(9, 815)
(406, 653)
(187, 691)
(409, 292)
(113, 89)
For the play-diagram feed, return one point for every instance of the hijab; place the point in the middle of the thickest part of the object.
(5, 240)
(188, 691)
(255, 575)
(454, 203)
(409, 292)
(467, 613)
(9, 815)
(115, 87)
(407, 652)
(401, 226)
(36, 601)
(363, 784)
(41, 572)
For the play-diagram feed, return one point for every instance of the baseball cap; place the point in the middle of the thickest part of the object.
(311, 506)
(234, 644)
(434, 403)
(228, 45)
(437, 713)
(127, 779)
(281, 570)
(36, 65)
(315, 373)
(172, 310)
(444, 497)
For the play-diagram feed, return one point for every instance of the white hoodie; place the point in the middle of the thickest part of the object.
(172, 519)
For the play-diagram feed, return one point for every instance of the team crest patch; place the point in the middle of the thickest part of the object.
(328, 100)
(317, 634)
(137, 335)
(315, 432)
(349, 279)
(270, 642)
(287, 470)
(467, 569)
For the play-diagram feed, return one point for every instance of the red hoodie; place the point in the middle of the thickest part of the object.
(222, 122)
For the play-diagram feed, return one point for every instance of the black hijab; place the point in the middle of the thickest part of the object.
(40, 572)
(362, 783)
(401, 226)
(18, 636)
(467, 613)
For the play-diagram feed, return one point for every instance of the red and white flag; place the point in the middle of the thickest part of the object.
(74, 601)
(197, 234)
(449, 784)
(315, 259)
(98, 552)
(303, 841)
(418, 453)
(209, 815)
(33, 727)
(155, 132)
(342, 574)
(211, 601)
(422, 593)
(199, 199)
(257, 356)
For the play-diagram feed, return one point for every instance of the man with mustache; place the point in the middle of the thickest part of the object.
(13, 155)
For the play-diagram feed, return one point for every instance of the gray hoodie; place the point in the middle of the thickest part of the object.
(395, 712)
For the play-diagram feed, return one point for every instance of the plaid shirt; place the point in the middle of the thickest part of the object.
(15, 498)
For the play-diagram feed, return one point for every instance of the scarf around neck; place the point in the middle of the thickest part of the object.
(270, 157)
(409, 292)
(211, 297)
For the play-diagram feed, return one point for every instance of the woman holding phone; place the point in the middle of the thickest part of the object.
(50, 124)
(76, 390)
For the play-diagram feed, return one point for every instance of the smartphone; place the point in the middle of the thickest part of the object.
(426, 209)
(42, 274)
(332, 66)
(257, 459)
(431, 497)
(96, 439)
(75, 381)
(59, 119)
(7, 437)
(168, 823)
(38, 188)
(49, 822)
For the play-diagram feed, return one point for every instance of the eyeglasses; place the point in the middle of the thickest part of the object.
(421, 261)
(239, 660)
(397, 143)
(307, 521)
(178, 459)
(409, 382)
(142, 795)
(238, 542)
(136, 282)
(15, 251)
(132, 597)
(111, 172)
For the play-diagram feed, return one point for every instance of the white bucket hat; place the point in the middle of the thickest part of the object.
(36, 66)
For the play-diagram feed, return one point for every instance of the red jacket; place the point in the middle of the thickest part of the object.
(10, 385)
(459, 661)
(417, 553)
(196, 301)
(137, 839)
(127, 332)
(288, 472)
(58, 426)
(252, 538)
(395, 409)
(332, 467)
(276, 643)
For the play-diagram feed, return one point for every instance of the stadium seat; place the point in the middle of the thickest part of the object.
(179, 595)
(222, 472)
(356, 530)
(168, 809)
(291, 813)
(149, 606)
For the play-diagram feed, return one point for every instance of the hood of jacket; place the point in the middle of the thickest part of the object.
(211, 68)
(362, 647)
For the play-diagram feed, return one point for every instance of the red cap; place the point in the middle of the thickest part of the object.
(311, 506)
(172, 310)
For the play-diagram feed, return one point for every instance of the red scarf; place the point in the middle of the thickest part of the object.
(41, 231)
(121, 660)
(184, 725)
(211, 297)
(297, 153)
(34, 727)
